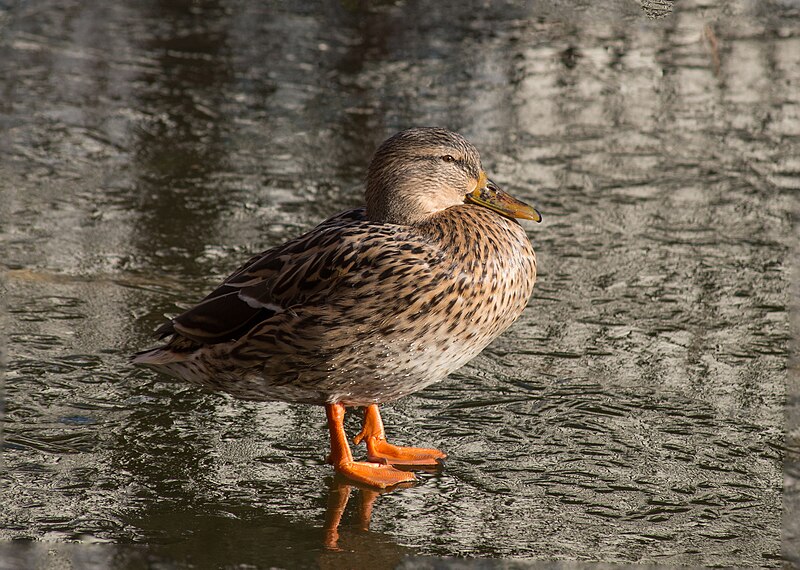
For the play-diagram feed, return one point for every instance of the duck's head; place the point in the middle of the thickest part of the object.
(419, 172)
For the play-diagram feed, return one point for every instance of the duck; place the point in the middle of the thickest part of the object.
(371, 305)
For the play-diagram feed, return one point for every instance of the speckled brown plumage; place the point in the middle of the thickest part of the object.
(374, 303)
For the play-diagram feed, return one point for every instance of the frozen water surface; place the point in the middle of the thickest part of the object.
(643, 410)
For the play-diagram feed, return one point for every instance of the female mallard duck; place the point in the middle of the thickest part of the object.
(371, 305)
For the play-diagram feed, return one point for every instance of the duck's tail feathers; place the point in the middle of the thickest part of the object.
(158, 356)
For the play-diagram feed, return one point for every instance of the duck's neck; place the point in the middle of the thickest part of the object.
(408, 201)
(470, 227)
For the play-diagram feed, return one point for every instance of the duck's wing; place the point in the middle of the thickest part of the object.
(307, 270)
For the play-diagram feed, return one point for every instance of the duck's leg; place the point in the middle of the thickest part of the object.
(379, 450)
(375, 474)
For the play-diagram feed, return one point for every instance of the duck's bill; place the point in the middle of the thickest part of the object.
(490, 196)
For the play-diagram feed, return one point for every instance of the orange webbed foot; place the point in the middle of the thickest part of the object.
(374, 474)
(381, 451)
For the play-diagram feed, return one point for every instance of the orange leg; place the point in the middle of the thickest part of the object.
(379, 450)
(374, 474)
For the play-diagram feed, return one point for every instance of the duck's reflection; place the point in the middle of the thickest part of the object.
(340, 491)
(347, 541)
(216, 533)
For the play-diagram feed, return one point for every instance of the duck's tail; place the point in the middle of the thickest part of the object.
(177, 350)
(173, 363)
(159, 356)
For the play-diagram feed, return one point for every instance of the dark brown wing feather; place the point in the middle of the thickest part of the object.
(302, 271)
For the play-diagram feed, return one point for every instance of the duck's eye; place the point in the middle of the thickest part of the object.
(448, 158)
